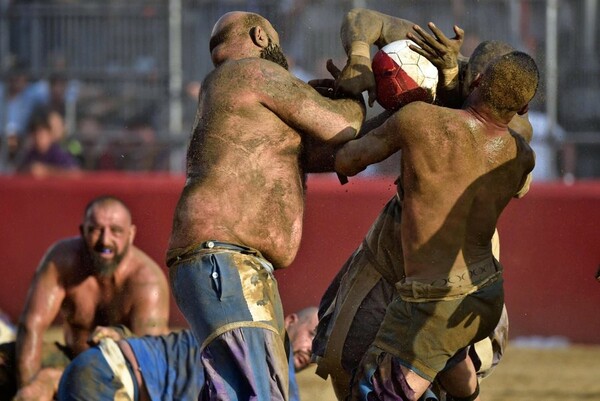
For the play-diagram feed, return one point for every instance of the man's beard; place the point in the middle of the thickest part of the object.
(273, 53)
(305, 360)
(103, 267)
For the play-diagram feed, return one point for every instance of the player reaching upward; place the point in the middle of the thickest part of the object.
(353, 306)
(460, 168)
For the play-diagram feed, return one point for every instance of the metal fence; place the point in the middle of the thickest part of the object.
(128, 62)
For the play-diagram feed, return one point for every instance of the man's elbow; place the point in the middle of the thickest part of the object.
(345, 166)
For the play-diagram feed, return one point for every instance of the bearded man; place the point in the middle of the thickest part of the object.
(258, 131)
(97, 279)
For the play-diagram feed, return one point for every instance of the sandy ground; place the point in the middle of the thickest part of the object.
(524, 374)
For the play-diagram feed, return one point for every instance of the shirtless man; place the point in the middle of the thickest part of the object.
(459, 170)
(353, 306)
(240, 214)
(100, 278)
(163, 367)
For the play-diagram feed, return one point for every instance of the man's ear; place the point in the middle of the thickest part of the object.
(290, 319)
(523, 110)
(259, 37)
(81, 230)
(133, 231)
(476, 81)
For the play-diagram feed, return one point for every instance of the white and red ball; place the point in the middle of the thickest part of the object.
(403, 75)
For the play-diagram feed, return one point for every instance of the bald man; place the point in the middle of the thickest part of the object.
(240, 214)
(97, 279)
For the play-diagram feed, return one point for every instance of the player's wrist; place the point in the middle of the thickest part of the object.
(450, 76)
(360, 49)
(355, 61)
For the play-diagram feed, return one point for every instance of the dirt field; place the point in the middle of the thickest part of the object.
(525, 374)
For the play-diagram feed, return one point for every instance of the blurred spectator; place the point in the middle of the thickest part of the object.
(136, 148)
(44, 156)
(63, 136)
(60, 92)
(546, 143)
(190, 103)
(18, 99)
(90, 134)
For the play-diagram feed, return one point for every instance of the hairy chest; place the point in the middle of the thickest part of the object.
(91, 304)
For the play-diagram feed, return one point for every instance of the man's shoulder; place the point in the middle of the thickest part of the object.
(66, 249)
(62, 260)
(422, 115)
(248, 72)
(420, 106)
(144, 265)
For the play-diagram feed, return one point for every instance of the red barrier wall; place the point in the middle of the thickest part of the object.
(550, 241)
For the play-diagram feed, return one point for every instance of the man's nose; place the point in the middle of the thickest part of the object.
(104, 234)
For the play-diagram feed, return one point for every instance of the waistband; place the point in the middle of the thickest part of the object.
(458, 284)
(178, 254)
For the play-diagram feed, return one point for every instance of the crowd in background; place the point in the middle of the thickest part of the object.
(105, 94)
(43, 136)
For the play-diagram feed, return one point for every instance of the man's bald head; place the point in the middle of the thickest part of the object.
(105, 200)
(240, 34)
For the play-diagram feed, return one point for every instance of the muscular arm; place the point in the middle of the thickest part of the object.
(375, 146)
(44, 299)
(360, 29)
(371, 27)
(150, 313)
(319, 157)
(301, 107)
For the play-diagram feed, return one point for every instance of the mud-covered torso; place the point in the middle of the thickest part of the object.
(244, 183)
(457, 177)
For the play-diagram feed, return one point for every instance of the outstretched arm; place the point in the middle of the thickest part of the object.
(44, 298)
(444, 53)
(376, 145)
(303, 108)
(360, 29)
